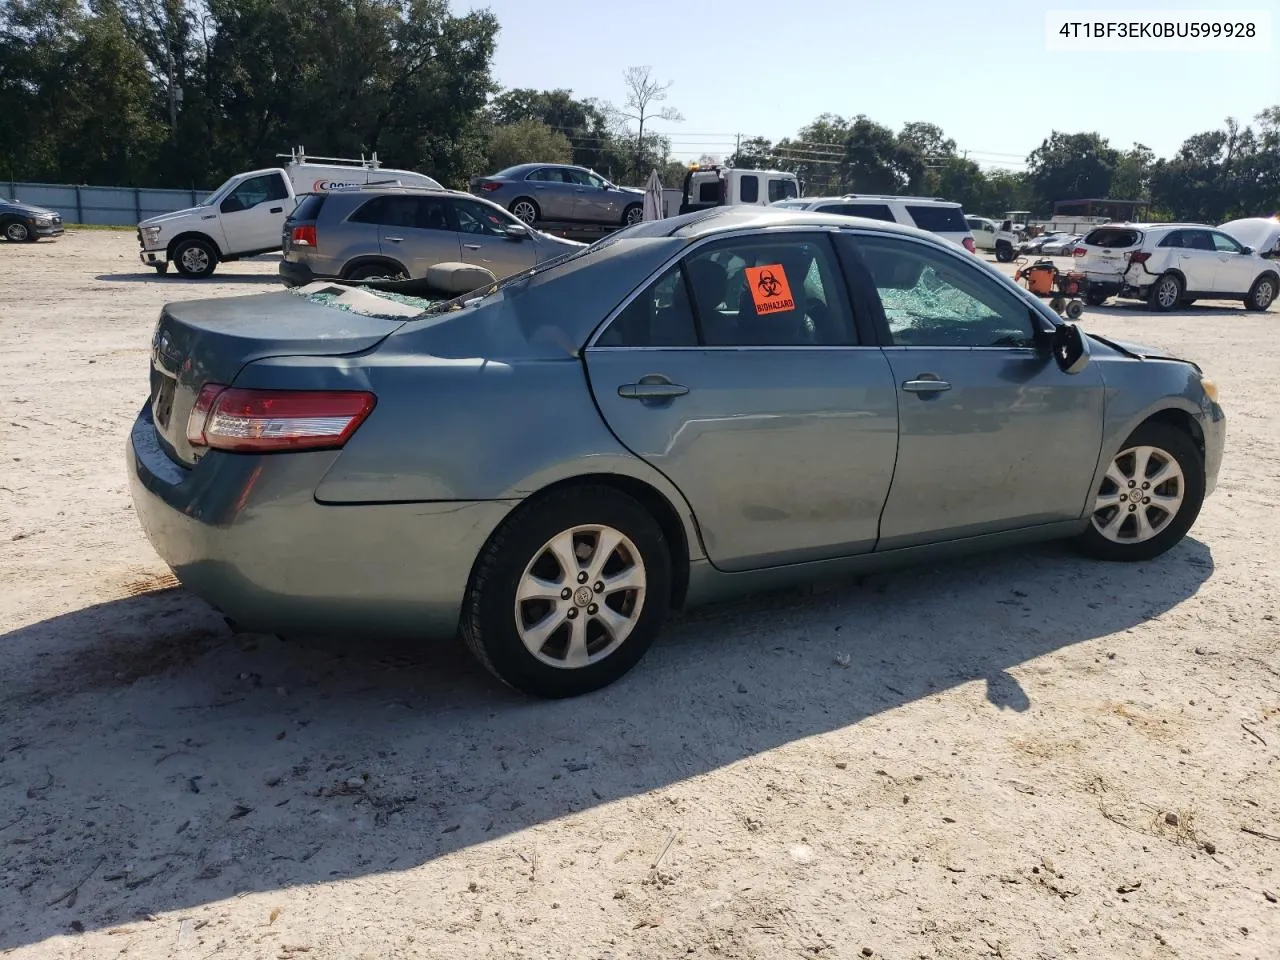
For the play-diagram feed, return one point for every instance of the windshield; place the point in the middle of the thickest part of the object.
(214, 197)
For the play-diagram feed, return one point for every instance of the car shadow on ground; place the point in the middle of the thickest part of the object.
(155, 762)
(150, 276)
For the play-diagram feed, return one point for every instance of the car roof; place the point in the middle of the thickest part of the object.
(703, 223)
(882, 197)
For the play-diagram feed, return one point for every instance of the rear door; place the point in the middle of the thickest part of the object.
(759, 401)
(482, 233)
(253, 213)
(993, 436)
(555, 197)
(416, 232)
(1197, 259)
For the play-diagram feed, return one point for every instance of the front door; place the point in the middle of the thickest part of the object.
(993, 436)
(739, 374)
(482, 234)
(253, 214)
(593, 203)
(1236, 271)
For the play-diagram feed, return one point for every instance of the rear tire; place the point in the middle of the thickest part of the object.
(1165, 293)
(195, 258)
(1263, 293)
(1129, 522)
(373, 271)
(516, 618)
(526, 210)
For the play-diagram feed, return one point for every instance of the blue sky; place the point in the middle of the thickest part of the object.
(979, 70)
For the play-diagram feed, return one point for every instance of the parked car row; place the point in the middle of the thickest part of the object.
(398, 468)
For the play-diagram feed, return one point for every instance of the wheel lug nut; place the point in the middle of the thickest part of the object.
(1146, 499)
(599, 586)
(566, 593)
(582, 577)
(1146, 486)
(573, 613)
(593, 609)
(1132, 508)
(1132, 483)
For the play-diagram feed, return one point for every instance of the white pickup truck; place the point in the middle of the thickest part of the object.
(245, 216)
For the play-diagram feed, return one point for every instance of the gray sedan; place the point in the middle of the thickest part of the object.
(690, 409)
(401, 232)
(560, 193)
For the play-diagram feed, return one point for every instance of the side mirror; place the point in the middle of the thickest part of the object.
(1070, 348)
(517, 231)
(1247, 251)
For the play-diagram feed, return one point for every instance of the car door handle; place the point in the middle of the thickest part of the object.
(209, 216)
(277, 209)
(926, 385)
(652, 390)
(393, 239)
(471, 246)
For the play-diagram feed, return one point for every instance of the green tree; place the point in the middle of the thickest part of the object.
(1070, 166)
(527, 141)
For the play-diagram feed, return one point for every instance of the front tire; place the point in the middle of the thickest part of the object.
(1165, 293)
(1004, 252)
(632, 215)
(1262, 294)
(1149, 497)
(195, 258)
(569, 593)
(15, 231)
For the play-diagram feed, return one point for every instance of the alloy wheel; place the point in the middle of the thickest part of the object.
(195, 259)
(1141, 494)
(525, 211)
(1167, 293)
(580, 597)
(17, 232)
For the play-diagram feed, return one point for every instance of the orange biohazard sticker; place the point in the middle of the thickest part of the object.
(769, 289)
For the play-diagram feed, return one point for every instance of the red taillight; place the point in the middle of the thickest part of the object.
(258, 421)
(200, 413)
(1079, 252)
(1137, 257)
(304, 236)
(490, 186)
(970, 245)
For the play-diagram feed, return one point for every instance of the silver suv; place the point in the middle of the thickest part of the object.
(400, 232)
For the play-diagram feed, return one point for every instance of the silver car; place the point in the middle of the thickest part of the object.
(560, 193)
(401, 232)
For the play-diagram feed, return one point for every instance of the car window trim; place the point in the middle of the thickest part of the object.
(689, 251)
(884, 335)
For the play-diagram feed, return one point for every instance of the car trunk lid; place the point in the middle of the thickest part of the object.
(210, 341)
(1107, 249)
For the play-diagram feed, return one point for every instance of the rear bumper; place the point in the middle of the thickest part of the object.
(246, 535)
(296, 274)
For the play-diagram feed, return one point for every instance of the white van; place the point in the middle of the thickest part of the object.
(245, 216)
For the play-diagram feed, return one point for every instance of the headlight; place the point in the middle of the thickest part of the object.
(44, 221)
(1210, 388)
(151, 233)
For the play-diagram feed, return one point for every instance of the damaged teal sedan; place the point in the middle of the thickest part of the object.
(690, 409)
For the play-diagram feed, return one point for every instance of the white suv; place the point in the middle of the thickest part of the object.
(943, 217)
(1173, 264)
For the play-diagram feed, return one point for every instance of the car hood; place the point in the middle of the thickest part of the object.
(1141, 351)
(166, 217)
(28, 209)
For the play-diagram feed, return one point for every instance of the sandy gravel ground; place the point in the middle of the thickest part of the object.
(1024, 755)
